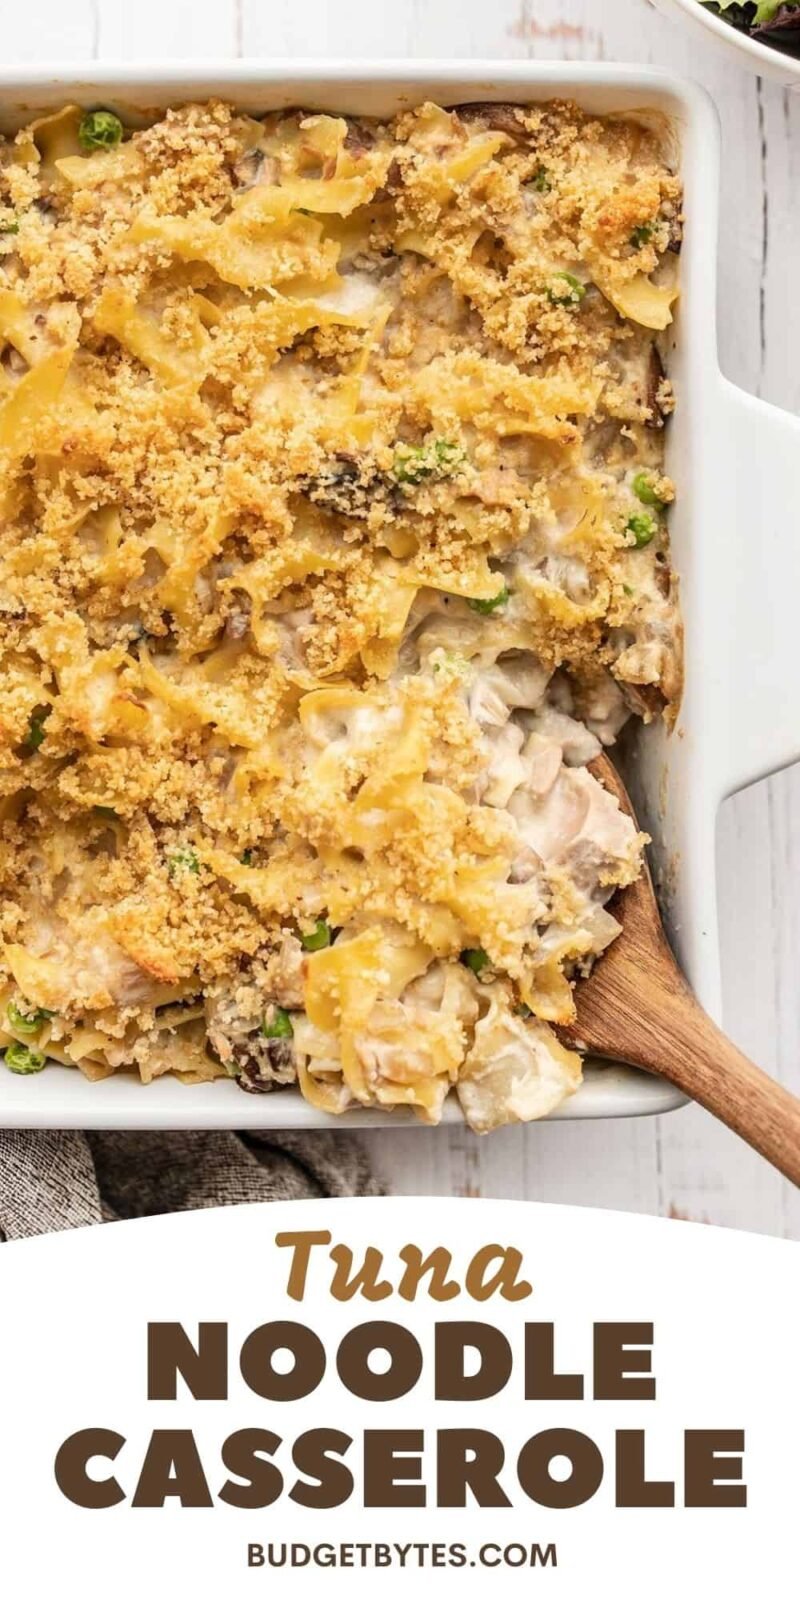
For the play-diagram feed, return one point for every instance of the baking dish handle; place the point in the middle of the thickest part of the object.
(761, 683)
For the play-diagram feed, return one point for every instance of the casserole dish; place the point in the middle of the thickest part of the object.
(731, 457)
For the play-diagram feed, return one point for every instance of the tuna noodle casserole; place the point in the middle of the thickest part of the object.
(333, 548)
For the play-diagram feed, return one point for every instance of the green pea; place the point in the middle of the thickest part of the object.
(486, 607)
(99, 130)
(20, 1059)
(10, 227)
(319, 939)
(540, 181)
(642, 235)
(35, 736)
(643, 489)
(246, 858)
(183, 860)
(280, 1026)
(476, 960)
(643, 528)
(566, 290)
(27, 1022)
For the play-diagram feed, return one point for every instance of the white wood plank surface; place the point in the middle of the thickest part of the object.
(684, 1164)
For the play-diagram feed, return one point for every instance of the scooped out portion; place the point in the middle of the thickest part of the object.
(448, 858)
(335, 546)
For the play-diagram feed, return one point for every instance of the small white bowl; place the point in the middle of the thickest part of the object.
(759, 57)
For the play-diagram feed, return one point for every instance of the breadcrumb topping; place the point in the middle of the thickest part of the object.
(315, 407)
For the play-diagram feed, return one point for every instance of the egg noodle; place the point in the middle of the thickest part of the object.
(333, 548)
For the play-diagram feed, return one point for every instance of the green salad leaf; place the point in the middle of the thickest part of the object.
(773, 22)
(768, 10)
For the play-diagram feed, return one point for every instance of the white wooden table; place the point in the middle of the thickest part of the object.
(682, 1165)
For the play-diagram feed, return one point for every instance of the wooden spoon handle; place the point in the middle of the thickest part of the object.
(689, 1050)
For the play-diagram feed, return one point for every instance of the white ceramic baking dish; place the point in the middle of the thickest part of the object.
(735, 462)
(756, 54)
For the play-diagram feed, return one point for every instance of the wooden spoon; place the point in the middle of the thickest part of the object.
(637, 1007)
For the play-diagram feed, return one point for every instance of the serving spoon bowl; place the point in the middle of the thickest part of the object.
(637, 1007)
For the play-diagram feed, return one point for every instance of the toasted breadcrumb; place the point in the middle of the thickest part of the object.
(274, 398)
